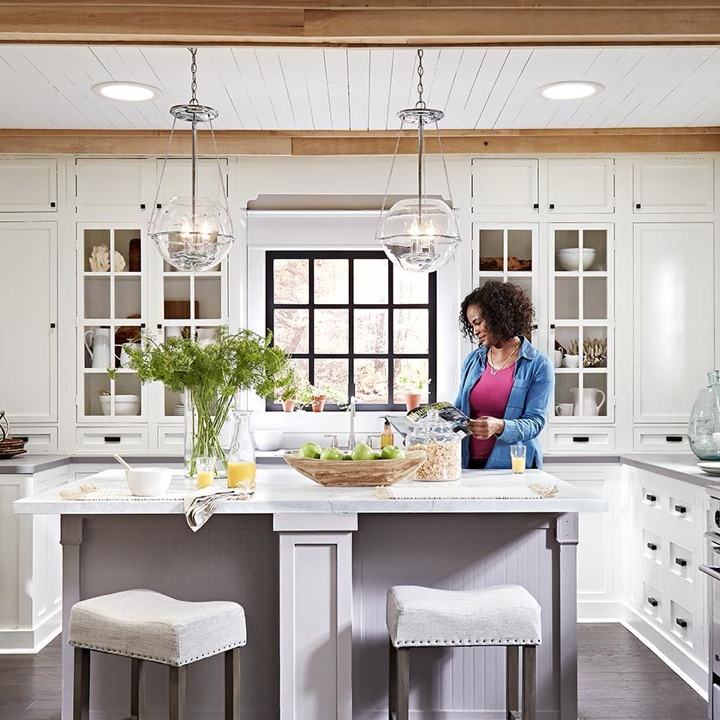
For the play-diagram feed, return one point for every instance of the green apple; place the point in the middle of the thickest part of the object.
(347, 457)
(363, 452)
(331, 453)
(309, 450)
(393, 452)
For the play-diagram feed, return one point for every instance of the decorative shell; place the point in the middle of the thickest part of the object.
(594, 352)
(100, 259)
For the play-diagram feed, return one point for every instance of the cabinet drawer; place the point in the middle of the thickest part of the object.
(665, 439)
(37, 439)
(581, 438)
(171, 439)
(112, 439)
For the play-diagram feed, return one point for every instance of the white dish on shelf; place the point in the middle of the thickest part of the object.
(569, 258)
(711, 467)
(124, 404)
(268, 439)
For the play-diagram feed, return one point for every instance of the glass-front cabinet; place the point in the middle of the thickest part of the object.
(113, 305)
(581, 321)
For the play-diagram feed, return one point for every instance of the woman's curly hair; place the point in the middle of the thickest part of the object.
(507, 310)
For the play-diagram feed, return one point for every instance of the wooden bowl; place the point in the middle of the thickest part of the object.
(357, 473)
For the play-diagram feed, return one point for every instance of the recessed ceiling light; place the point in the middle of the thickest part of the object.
(570, 90)
(128, 91)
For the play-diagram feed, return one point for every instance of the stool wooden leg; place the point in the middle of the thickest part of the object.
(232, 684)
(392, 680)
(529, 681)
(137, 689)
(178, 692)
(81, 684)
(512, 681)
(402, 684)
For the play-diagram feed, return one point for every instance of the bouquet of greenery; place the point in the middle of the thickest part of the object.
(211, 374)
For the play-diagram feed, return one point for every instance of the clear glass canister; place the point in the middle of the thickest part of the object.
(443, 447)
(705, 420)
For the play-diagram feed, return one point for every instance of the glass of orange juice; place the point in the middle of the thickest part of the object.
(205, 471)
(517, 457)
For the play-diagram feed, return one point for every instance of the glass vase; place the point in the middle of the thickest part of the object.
(705, 420)
(241, 456)
(205, 417)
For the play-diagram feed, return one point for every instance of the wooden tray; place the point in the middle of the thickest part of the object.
(357, 473)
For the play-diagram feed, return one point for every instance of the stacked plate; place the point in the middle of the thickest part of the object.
(179, 410)
(711, 467)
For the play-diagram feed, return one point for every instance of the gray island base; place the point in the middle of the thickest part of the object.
(311, 566)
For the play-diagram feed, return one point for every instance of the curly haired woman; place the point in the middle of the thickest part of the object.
(506, 384)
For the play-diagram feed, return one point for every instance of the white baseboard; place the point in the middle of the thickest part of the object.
(30, 642)
(601, 611)
(449, 715)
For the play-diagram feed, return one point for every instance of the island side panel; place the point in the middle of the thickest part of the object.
(234, 557)
(455, 552)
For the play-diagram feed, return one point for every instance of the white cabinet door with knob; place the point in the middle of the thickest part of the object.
(115, 189)
(28, 185)
(28, 318)
(673, 185)
(502, 185)
(581, 185)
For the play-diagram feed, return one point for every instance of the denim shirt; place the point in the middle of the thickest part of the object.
(527, 407)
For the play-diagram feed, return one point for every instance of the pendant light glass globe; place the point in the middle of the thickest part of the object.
(419, 237)
(193, 234)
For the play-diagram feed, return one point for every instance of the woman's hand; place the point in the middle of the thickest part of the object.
(484, 427)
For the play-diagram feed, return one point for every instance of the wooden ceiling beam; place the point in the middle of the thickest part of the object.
(356, 23)
(309, 143)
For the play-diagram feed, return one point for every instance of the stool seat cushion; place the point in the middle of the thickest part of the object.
(497, 615)
(147, 625)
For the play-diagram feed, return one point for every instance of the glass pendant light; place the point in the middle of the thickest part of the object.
(419, 234)
(192, 233)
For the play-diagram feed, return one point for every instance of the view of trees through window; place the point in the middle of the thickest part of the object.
(353, 322)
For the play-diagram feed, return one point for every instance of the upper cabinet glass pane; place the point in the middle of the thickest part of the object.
(519, 250)
(291, 281)
(491, 250)
(97, 250)
(567, 252)
(596, 242)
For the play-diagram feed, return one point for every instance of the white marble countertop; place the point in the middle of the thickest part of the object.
(281, 490)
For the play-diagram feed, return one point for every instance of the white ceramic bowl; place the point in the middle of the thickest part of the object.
(124, 404)
(569, 258)
(268, 439)
(571, 361)
(148, 481)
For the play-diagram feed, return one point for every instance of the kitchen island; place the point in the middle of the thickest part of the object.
(311, 566)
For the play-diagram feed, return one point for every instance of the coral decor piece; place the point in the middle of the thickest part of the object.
(100, 259)
(594, 352)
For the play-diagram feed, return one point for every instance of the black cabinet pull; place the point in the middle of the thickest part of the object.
(52, 204)
(52, 326)
(673, 438)
(681, 562)
(652, 602)
(680, 509)
(536, 206)
(552, 206)
(142, 325)
(638, 206)
(682, 623)
(535, 327)
(142, 206)
(159, 206)
(651, 498)
(112, 438)
(652, 546)
(24, 438)
(552, 326)
(159, 326)
(581, 439)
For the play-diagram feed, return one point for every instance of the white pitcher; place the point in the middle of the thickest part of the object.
(99, 347)
(589, 403)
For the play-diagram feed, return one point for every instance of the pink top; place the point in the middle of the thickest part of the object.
(489, 397)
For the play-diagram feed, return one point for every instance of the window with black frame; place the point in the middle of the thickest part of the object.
(354, 324)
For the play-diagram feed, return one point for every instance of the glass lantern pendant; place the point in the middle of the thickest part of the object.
(419, 234)
(192, 233)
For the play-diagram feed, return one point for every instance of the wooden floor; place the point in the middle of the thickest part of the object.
(620, 679)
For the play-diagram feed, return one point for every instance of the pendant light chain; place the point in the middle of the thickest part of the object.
(420, 87)
(193, 73)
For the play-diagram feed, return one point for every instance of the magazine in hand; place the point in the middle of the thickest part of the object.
(447, 411)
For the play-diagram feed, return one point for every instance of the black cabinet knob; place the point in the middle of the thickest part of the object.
(159, 326)
(552, 206)
(651, 498)
(52, 204)
(159, 206)
(638, 206)
(652, 546)
(552, 326)
(52, 326)
(142, 325)
(142, 206)
(682, 623)
(536, 206)
(681, 562)
(652, 602)
(680, 509)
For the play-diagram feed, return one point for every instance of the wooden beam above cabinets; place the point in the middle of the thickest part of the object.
(304, 143)
(361, 22)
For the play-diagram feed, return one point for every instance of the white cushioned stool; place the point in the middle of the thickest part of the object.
(505, 615)
(145, 625)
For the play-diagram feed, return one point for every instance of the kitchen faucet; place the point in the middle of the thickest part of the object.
(351, 436)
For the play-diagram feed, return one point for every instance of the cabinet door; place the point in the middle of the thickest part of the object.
(504, 185)
(177, 179)
(674, 316)
(583, 185)
(28, 338)
(112, 189)
(673, 185)
(28, 185)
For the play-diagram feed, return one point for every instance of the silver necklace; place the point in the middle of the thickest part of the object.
(494, 371)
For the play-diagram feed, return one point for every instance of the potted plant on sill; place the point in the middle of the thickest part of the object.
(413, 382)
(322, 394)
(288, 390)
(210, 374)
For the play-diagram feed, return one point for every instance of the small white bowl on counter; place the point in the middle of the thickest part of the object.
(268, 439)
(148, 481)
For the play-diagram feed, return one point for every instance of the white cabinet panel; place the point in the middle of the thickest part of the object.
(28, 338)
(504, 185)
(674, 317)
(37, 439)
(581, 439)
(28, 185)
(673, 185)
(108, 188)
(177, 179)
(584, 185)
(112, 439)
(171, 439)
(663, 439)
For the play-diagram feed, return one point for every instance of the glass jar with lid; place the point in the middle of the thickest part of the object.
(443, 447)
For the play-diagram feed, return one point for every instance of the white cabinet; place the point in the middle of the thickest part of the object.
(504, 185)
(212, 181)
(28, 334)
(28, 185)
(673, 185)
(581, 185)
(674, 266)
(112, 189)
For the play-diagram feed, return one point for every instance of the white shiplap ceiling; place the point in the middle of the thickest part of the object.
(361, 89)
